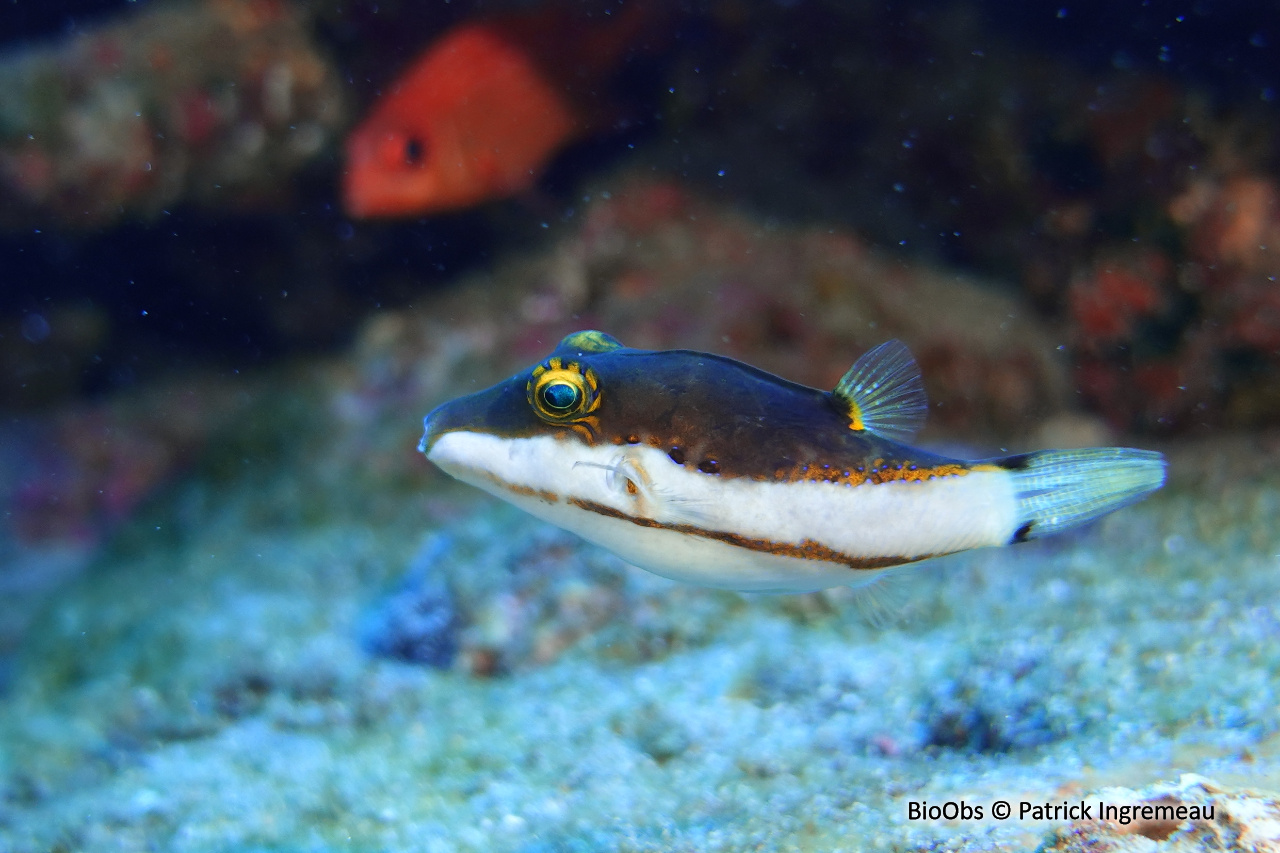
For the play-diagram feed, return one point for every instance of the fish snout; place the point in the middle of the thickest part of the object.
(498, 410)
(434, 425)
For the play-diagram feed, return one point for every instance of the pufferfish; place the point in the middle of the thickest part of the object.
(703, 469)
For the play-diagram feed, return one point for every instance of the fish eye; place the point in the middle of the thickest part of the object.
(561, 396)
(563, 392)
(414, 151)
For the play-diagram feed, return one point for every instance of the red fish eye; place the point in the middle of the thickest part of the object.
(414, 151)
(397, 150)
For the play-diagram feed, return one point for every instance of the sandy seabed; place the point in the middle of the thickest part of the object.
(213, 690)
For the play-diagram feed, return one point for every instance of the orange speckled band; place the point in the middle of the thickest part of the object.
(878, 472)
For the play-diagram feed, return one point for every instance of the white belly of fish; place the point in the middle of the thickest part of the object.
(733, 533)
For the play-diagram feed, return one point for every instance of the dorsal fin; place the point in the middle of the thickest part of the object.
(882, 392)
(589, 340)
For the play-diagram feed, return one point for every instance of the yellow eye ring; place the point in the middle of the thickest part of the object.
(563, 392)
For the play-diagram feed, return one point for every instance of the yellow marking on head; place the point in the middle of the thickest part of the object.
(591, 341)
(588, 428)
(564, 392)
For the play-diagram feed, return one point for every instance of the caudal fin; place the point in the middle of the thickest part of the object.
(1061, 489)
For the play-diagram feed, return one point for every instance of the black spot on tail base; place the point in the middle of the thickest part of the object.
(1017, 462)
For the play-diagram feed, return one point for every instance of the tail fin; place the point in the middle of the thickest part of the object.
(1061, 489)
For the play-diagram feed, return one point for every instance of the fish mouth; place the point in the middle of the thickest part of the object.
(501, 410)
(432, 428)
(442, 420)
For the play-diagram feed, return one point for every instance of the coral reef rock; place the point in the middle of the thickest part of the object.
(1241, 820)
(212, 101)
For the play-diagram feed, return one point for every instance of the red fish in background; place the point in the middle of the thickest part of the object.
(483, 109)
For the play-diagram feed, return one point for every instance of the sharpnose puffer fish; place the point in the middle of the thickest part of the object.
(703, 469)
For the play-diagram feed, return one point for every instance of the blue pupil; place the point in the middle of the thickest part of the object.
(561, 396)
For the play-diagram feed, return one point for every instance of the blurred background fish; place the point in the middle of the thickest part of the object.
(481, 111)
